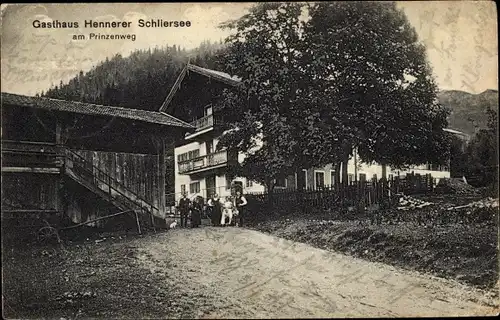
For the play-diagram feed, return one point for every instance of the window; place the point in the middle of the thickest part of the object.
(375, 178)
(304, 179)
(193, 154)
(249, 183)
(319, 178)
(362, 177)
(280, 182)
(194, 187)
(441, 168)
(188, 155)
(209, 146)
(238, 186)
(183, 188)
(332, 177)
(436, 167)
(208, 110)
(350, 178)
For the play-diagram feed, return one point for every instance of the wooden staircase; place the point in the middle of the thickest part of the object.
(109, 189)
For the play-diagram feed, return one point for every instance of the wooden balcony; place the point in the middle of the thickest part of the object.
(27, 156)
(204, 163)
(202, 125)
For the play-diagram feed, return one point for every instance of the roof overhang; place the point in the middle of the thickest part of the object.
(460, 133)
(57, 105)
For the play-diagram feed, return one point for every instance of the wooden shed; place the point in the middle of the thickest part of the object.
(65, 160)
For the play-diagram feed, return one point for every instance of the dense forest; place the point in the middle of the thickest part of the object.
(140, 81)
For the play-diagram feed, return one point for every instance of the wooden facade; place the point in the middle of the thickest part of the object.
(70, 161)
(137, 172)
(36, 191)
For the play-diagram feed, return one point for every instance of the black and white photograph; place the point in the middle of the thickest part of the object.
(255, 160)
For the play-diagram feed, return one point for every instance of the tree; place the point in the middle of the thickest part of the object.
(482, 153)
(319, 80)
(265, 52)
(458, 158)
(377, 82)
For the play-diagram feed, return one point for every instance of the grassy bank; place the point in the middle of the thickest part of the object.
(459, 244)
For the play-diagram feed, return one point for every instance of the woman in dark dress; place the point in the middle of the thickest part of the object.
(196, 209)
(216, 206)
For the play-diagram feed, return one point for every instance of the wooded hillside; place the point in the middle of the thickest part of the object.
(140, 81)
(468, 111)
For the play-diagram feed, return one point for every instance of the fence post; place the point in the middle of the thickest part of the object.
(153, 219)
(109, 186)
(341, 194)
(137, 221)
(429, 185)
(360, 196)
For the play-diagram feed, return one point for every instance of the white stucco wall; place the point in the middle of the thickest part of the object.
(371, 169)
(435, 174)
(256, 187)
(220, 180)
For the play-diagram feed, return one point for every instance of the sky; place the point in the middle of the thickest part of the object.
(460, 36)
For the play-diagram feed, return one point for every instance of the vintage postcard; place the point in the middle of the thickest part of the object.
(249, 160)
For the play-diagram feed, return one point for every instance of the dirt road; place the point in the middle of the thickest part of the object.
(245, 273)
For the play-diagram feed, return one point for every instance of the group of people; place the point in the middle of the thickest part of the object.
(186, 206)
(195, 208)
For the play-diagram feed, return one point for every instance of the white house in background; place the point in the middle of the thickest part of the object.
(199, 170)
(325, 176)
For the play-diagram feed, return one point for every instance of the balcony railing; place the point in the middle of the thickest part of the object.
(203, 123)
(30, 154)
(204, 162)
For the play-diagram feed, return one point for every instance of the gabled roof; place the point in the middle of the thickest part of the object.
(160, 118)
(219, 75)
(212, 74)
(456, 132)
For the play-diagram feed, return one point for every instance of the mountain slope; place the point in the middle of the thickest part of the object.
(468, 110)
(140, 81)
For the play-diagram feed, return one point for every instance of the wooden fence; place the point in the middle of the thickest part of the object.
(357, 195)
(412, 184)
